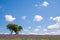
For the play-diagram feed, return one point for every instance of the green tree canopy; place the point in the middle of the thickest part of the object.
(14, 27)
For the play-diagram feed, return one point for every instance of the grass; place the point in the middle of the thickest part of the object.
(29, 38)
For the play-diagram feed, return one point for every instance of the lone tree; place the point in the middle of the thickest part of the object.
(14, 27)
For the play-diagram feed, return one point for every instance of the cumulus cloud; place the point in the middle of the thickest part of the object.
(36, 30)
(57, 24)
(37, 18)
(54, 26)
(9, 18)
(39, 5)
(45, 3)
(23, 17)
(57, 19)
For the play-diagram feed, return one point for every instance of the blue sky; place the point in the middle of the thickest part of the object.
(35, 16)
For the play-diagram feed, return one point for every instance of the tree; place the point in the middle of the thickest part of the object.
(17, 29)
(14, 27)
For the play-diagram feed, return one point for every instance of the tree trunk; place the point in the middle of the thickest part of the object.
(16, 32)
(11, 32)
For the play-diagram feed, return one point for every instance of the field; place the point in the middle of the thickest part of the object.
(29, 37)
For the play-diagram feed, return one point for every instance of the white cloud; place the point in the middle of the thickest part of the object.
(37, 6)
(37, 18)
(36, 30)
(9, 18)
(57, 24)
(57, 19)
(23, 17)
(29, 27)
(45, 3)
(51, 18)
(54, 26)
(38, 26)
(45, 30)
(46, 33)
(57, 32)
